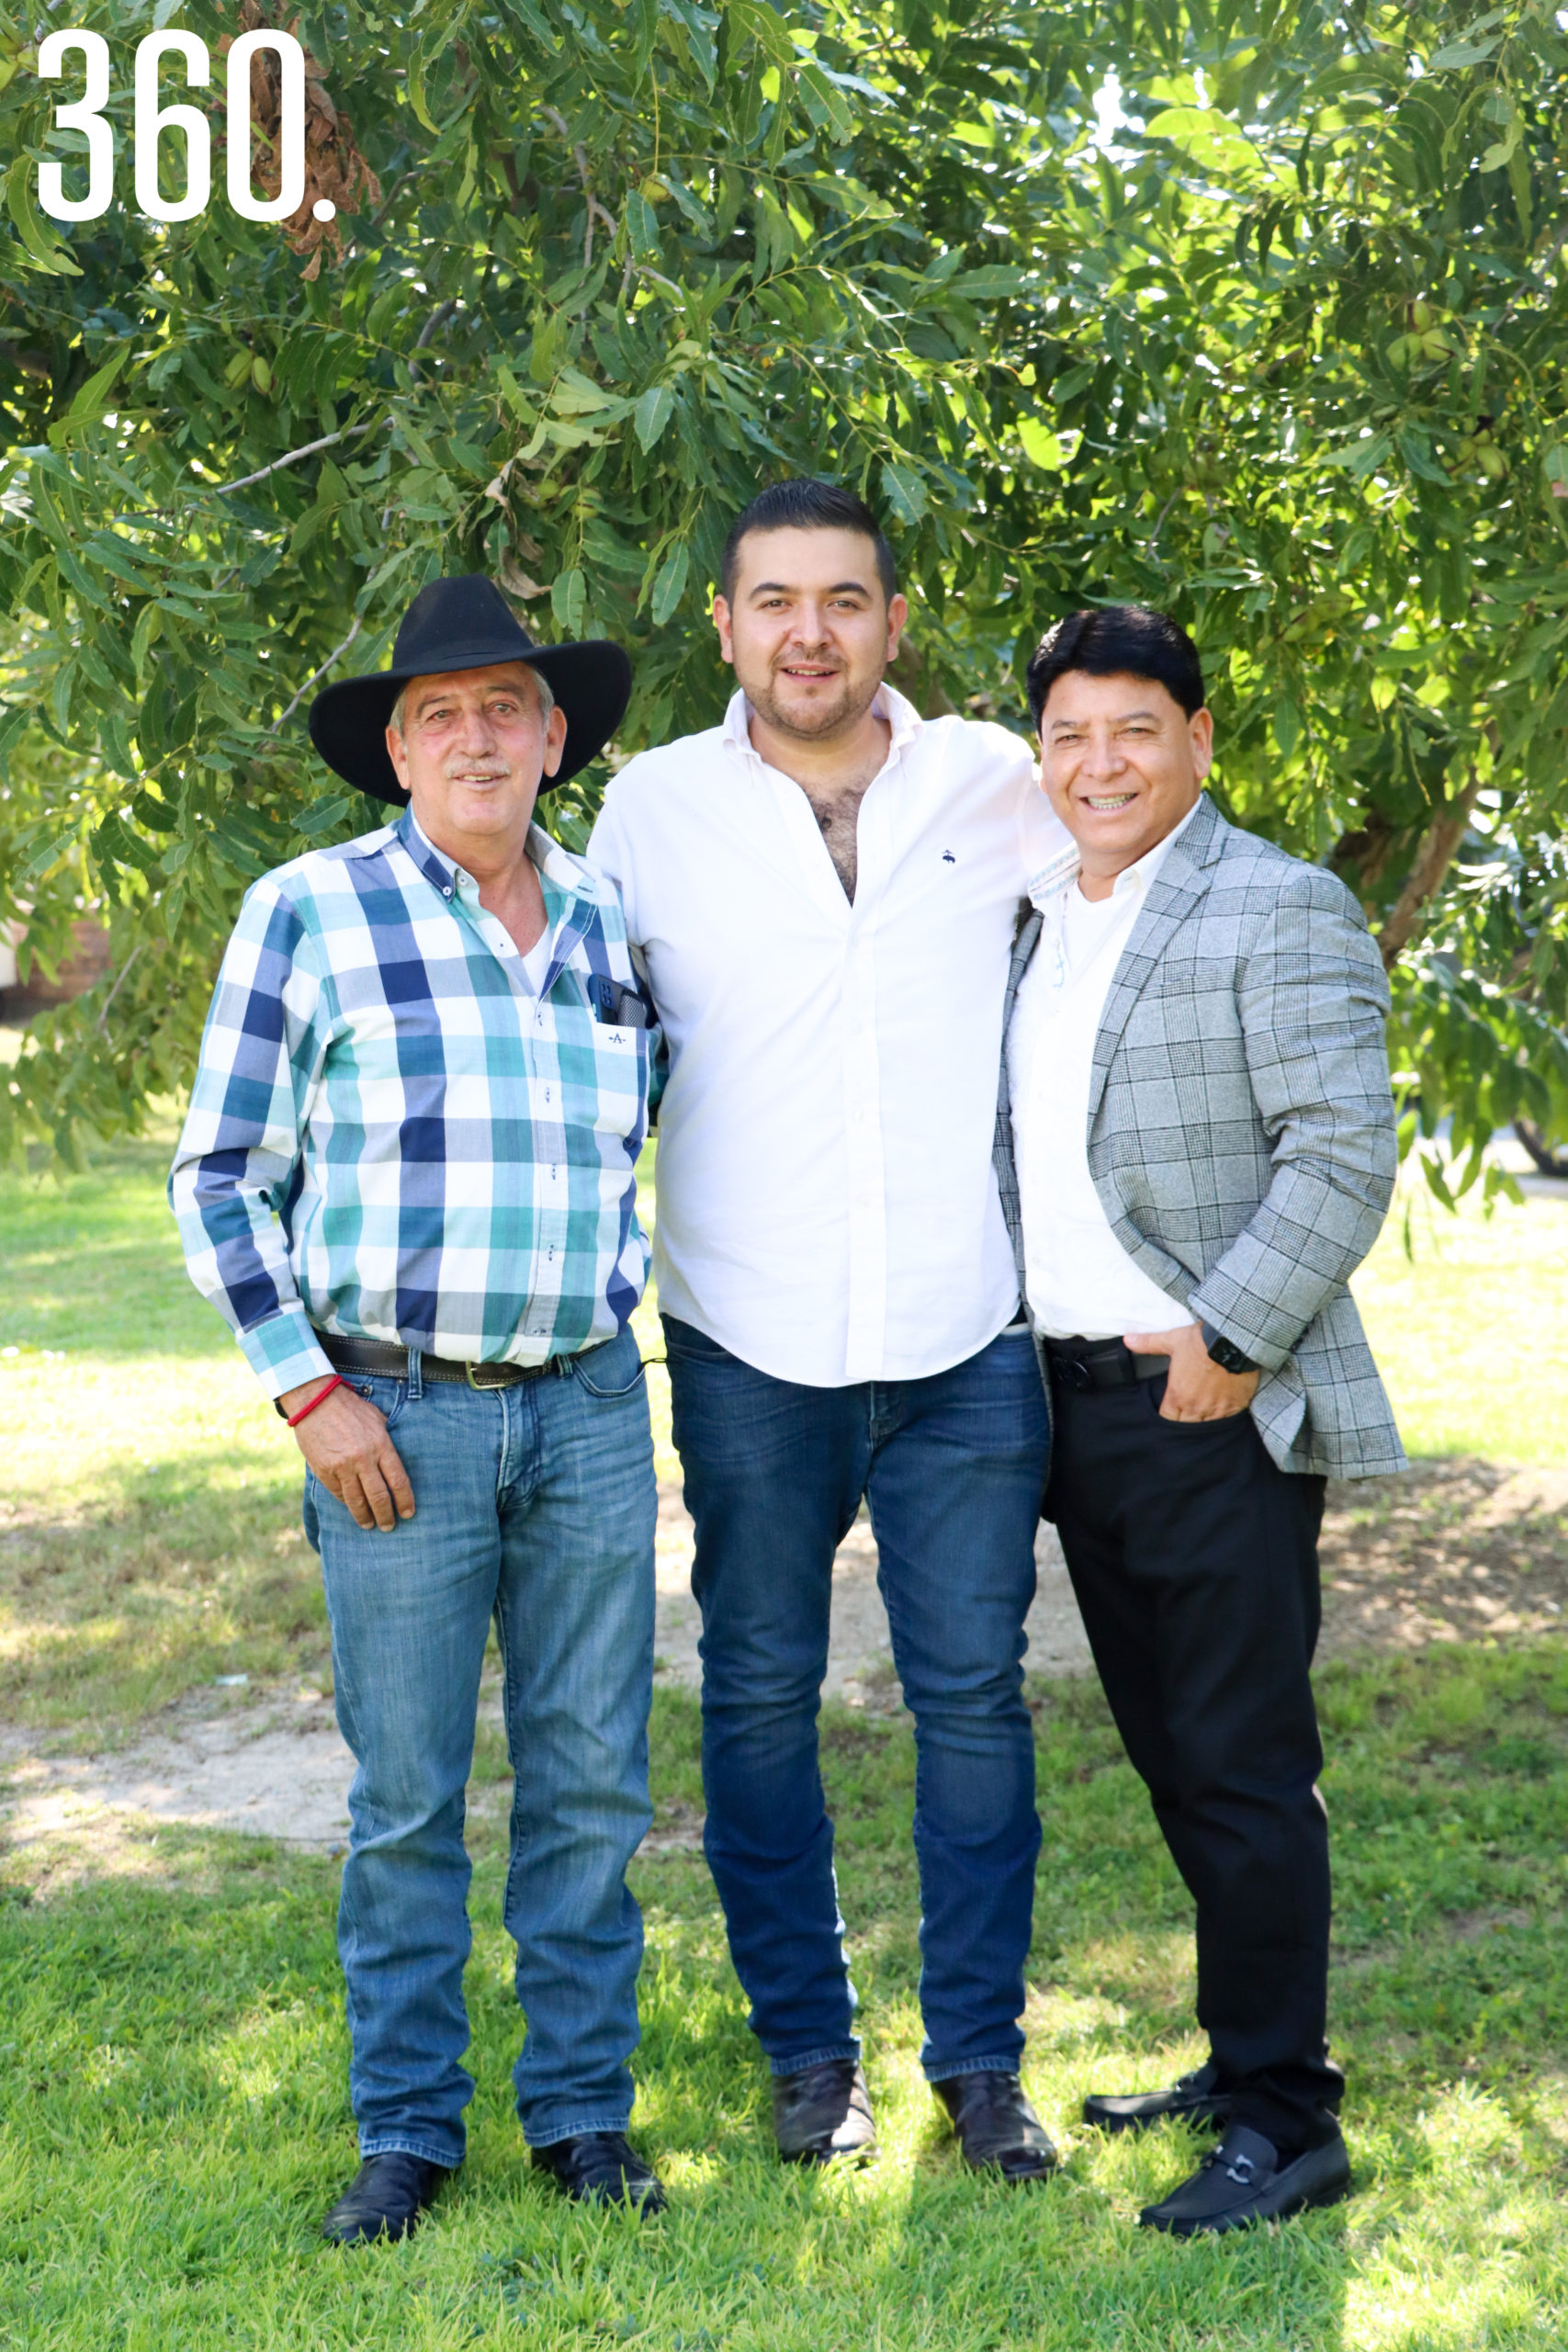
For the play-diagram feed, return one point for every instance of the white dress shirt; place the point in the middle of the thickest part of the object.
(1077, 1277)
(826, 1206)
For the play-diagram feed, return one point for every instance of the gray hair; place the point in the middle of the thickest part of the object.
(541, 687)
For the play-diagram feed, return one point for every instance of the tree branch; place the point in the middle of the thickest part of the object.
(437, 320)
(226, 490)
(1434, 854)
(335, 655)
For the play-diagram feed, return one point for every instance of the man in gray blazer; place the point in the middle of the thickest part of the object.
(1196, 1149)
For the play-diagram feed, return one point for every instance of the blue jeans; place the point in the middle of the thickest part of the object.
(533, 1505)
(953, 1468)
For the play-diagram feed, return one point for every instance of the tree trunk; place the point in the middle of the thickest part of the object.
(1434, 853)
(909, 673)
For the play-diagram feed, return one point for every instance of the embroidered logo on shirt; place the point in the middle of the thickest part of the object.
(948, 858)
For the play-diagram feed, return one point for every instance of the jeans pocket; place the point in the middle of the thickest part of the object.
(610, 1382)
(387, 1395)
(685, 1339)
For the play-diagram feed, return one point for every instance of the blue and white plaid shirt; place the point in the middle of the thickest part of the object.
(392, 1135)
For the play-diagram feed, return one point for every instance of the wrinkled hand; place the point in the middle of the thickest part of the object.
(1197, 1390)
(345, 1443)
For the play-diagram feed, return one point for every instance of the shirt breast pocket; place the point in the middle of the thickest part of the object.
(605, 1081)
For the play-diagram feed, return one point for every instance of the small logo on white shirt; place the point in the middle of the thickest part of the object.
(948, 858)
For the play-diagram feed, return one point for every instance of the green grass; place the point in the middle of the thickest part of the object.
(172, 2112)
(150, 1532)
(150, 1535)
(1467, 1328)
(172, 2097)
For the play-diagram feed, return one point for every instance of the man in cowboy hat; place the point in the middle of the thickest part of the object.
(408, 1181)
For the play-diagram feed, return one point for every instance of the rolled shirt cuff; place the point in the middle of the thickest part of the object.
(284, 1351)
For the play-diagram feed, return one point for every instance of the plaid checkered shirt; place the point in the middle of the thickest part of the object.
(393, 1135)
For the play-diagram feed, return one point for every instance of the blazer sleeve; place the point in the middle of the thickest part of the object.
(1314, 1003)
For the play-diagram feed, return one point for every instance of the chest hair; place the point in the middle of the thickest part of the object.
(840, 818)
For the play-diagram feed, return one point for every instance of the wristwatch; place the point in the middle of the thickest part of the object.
(1224, 1352)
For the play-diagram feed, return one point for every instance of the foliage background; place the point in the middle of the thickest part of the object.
(1255, 311)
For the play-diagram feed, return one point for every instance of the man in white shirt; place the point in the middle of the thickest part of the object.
(824, 890)
(1197, 1092)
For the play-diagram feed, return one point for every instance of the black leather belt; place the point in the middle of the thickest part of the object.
(392, 1363)
(1088, 1365)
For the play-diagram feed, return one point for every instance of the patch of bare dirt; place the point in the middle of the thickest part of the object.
(1451, 1551)
(1455, 1551)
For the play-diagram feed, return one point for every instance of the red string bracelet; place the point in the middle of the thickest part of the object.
(319, 1398)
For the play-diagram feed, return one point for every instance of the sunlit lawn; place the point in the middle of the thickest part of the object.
(173, 2111)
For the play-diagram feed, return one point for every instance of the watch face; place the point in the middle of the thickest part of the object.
(1228, 1356)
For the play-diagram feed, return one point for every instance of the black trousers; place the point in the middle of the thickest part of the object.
(1194, 1560)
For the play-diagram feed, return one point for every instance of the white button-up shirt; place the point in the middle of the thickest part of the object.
(826, 1206)
(1077, 1277)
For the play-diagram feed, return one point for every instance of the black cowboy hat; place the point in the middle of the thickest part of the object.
(466, 623)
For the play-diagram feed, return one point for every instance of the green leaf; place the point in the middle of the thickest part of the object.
(1361, 457)
(988, 284)
(569, 599)
(1455, 53)
(1041, 445)
(323, 814)
(765, 27)
(670, 585)
(905, 492)
(48, 254)
(826, 104)
(652, 413)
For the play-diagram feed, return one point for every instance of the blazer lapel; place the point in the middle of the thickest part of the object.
(1023, 944)
(1179, 885)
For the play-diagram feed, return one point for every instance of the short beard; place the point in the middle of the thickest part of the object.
(822, 722)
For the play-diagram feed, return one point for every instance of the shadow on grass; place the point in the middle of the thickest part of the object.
(173, 2111)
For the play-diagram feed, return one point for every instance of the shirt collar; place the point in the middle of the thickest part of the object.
(903, 719)
(556, 865)
(1051, 880)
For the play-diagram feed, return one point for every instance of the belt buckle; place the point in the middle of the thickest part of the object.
(485, 1387)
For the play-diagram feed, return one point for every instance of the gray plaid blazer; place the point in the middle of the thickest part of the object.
(1241, 1131)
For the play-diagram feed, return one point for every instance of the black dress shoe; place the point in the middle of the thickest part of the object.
(1192, 2099)
(603, 2168)
(823, 2115)
(1243, 2181)
(385, 2199)
(995, 2125)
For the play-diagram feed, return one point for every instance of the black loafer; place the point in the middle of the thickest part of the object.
(1243, 2181)
(823, 2115)
(1192, 2099)
(385, 2199)
(997, 2130)
(602, 2168)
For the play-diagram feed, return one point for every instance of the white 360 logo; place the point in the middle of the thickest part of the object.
(85, 114)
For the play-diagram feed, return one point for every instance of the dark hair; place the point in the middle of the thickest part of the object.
(807, 506)
(1110, 639)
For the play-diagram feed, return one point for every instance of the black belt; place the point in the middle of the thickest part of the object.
(392, 1363)
(1087, 1364)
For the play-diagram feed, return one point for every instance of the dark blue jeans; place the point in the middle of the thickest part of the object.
(952, 1467)
(535, 1506)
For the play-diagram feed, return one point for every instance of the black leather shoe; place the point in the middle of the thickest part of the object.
(995, 2125)
(1243, 2181)
(385, 2199)
(823, 2115)
(603, 2168)
(1192, 2099)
